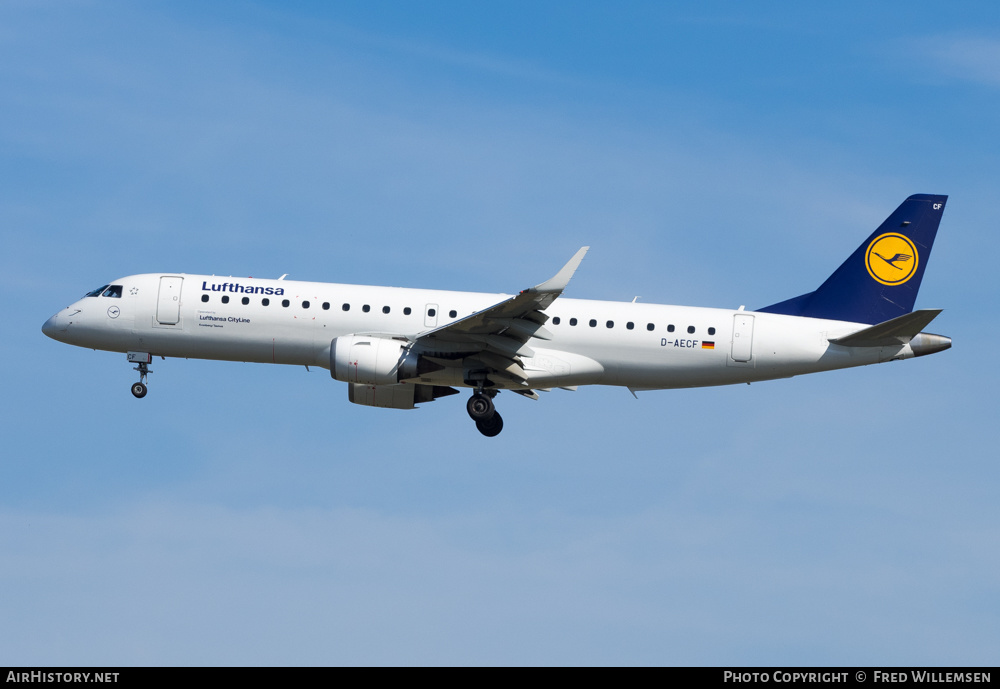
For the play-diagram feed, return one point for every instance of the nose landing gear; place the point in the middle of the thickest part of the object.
(139, 389)
(482, 410)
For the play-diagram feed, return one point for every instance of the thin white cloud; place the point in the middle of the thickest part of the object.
(970, 58)
(177, 582)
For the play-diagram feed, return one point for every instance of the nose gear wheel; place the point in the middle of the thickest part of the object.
(139, 389)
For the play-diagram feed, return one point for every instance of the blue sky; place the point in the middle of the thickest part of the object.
(711, 154)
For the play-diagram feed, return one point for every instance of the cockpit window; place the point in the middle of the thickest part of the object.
(97, 292)
(114, 291)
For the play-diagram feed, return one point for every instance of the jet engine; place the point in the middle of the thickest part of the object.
(371, 360)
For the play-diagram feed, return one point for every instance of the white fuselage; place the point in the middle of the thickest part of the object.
(205, 317)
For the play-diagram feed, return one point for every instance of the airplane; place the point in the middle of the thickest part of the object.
(397, 348)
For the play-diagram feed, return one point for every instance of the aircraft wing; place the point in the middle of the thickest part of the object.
(496, 336)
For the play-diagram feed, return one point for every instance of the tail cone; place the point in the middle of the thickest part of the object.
(925, 343)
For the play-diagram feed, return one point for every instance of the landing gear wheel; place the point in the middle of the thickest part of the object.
(492, 426)
(480, 408)
(139, 389)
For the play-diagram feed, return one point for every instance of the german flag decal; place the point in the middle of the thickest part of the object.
(708, 345)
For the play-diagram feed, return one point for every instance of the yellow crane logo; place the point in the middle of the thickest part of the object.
(892, 258)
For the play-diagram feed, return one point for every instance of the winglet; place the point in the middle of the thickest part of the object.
(558, 282)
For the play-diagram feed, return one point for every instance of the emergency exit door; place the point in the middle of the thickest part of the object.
(742, 337)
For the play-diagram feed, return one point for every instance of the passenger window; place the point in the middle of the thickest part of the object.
(690, 330)
(385, 309)
(649, 327)
(346, 307)
(305, 304)
(265, 302)
(711, 331)
(572, 321)
(225, 298)
(670, 328)
(326, 306)
(114, 291)
(555, 320)
(285, 303)
(431, 312)
(245, 300)
(611, 324)
(630, 325)
(204, 298)
(593, 323)
(452, 314)
(407, 311)
(366, 308)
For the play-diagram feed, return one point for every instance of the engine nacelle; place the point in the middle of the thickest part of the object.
(399, 396)
(371, 360)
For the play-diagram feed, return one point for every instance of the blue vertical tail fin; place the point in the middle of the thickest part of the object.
(881, 278)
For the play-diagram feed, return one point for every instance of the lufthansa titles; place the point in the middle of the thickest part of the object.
(237, 287)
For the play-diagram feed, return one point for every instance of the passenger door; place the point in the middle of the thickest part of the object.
(168, 303)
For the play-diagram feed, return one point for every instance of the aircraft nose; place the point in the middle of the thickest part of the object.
(55, 326)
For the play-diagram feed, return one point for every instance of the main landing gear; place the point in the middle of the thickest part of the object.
(484, 413)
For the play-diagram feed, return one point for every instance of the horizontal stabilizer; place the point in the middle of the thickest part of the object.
(892, 332)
